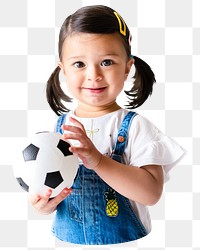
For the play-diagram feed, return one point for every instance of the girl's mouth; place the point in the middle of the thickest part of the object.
(95, 90)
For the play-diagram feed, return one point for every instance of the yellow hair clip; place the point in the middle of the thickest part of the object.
(120, 20)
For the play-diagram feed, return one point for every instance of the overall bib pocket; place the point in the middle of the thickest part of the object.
(75, 205)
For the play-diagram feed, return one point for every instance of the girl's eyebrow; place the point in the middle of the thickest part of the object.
(74, 57)
(111, 54)
(104, 55)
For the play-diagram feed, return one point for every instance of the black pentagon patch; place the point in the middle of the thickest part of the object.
(30, 153)
(53, 179)
(23, 184)
(64, 147)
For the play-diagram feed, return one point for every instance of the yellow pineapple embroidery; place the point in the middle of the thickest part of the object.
(111, 205)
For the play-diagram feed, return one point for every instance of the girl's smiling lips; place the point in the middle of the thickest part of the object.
(95, 90)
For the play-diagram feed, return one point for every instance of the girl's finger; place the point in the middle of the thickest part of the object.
(41, 203)
(34, 199)
(77, 123)
(71, 128)
(60, 197)
(76, 136)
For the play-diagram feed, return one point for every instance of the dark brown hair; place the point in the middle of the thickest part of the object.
(99, 19)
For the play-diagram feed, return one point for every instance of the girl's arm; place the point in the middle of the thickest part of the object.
(143, 185)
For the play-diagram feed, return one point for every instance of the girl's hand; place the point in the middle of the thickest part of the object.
(45, 205)
(86, 151)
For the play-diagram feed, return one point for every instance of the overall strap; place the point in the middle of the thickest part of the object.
(122, 136)
(60, 122)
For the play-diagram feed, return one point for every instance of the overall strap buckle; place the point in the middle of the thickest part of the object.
(122, 136)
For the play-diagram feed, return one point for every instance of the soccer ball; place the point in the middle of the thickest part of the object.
(45, 162)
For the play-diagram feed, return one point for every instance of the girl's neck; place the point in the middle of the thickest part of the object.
(85, 111)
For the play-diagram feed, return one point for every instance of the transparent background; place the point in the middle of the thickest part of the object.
(166, 34)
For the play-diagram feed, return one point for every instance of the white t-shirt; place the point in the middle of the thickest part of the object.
(146, 145)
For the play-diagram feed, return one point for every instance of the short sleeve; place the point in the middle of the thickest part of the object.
(148, 145)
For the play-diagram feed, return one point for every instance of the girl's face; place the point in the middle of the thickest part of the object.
(95, 67)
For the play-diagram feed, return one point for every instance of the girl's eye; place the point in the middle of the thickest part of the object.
(107, 62)
(79, 65)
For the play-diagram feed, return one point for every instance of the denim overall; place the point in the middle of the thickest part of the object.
(83, 217)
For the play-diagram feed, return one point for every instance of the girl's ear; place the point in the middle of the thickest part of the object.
(128, 67)
(60, 65)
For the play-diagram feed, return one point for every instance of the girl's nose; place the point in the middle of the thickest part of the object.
(94, 74)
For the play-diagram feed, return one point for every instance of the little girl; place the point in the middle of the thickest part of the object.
(124, 158)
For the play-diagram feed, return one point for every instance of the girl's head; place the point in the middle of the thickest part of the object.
(99, 20)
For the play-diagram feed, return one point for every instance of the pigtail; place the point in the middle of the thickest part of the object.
(55, 94)
(143, 84)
